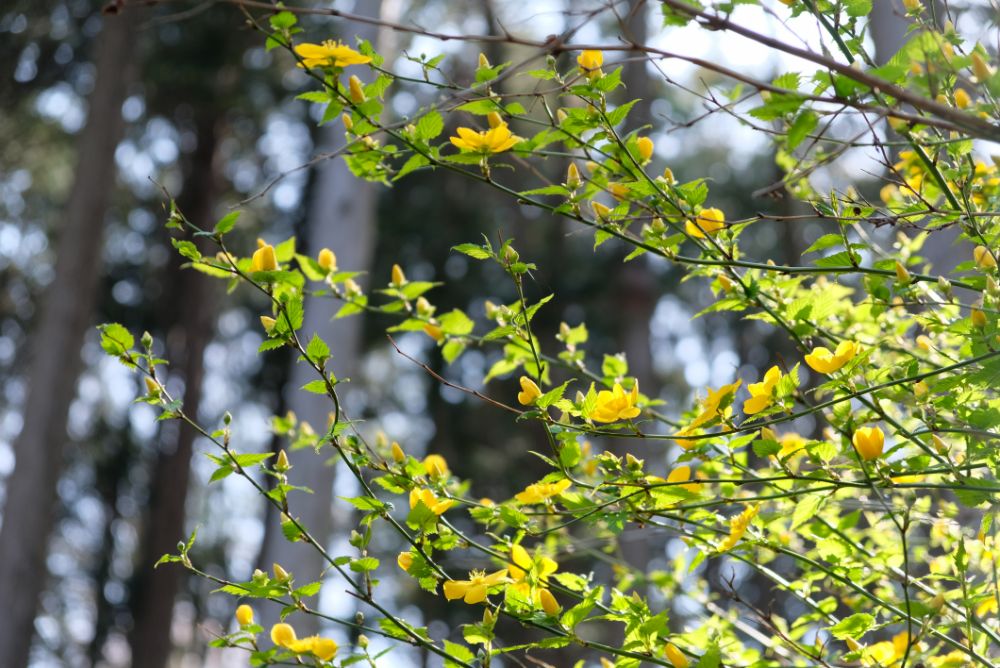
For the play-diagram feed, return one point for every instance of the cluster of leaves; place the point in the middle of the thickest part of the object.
(878, 521)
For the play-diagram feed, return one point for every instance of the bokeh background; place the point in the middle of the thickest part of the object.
(104, 113)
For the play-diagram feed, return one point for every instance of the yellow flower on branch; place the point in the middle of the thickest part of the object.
(869, 441)
(822, 360)
(327, 259)
(476, 588)
(709, 221)
(613, 405)
(283, 635)
(329, 53)
(645, 146)
(676, 657)
(738, 526)
(711, 407)
(427, 497)
(494, 140)
(590, 62)
(435, 466)
(525, 571)
(683, 474)
(244, 615)
(404, 560)
(540, 491)
(762, 393)
(529, 392)
(264, 259)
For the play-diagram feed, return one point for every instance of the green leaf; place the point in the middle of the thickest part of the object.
(473, 251)
(852, 627)
(804, 123)
(226, 223)
(456, 323)
(430, 125)
(115, 339)
(317, 350)
(364, 564)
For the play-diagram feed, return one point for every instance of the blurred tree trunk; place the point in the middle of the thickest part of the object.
(188, 321)
(62, 325)
(341, 217)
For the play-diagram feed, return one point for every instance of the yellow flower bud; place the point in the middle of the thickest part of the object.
(357, 91)
(491, 309)
(920, 389)
(618, 190)
(869, 441)
(327, 259)
(591, 166)
(600, 210)
(484, 62)
(404, 560)
(676, 657)
(152, 389)
(645, 146)
(261, 243)
(268, 323)
(264, 259)
(283, 635)
(939, 444)
(980, 67)
(282, 464)
(913, 5)
(924, 343)
(351, 287)
(244, 615)
(434, 332)
(572, 176)
(962, 99)
(348, 123)
(549, 603)
(902, 273)
(668, 175)
(978, 318)
(424, 307)
(280, 574)
(363, 641)
(984, 258)
(767, 434)
(725, 282)
(561, 116)
(398, 277)
(494, 119)
(529, 392)
(398, 455)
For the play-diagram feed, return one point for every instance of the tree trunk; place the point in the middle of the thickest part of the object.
(189, 323)
(342, 218)
(66, 315)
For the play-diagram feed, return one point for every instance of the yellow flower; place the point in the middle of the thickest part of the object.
(433, 331)
(494, 119)
(676, 657)
(600, 210)
(494, 140)
(572, 176)
(887, 652)
(398, 277)
(529, 392)
(476, 588)
(683, 474)
(978, 318)
(920, 389)
(902, 273)
(645, 146)
(435, 465)
(738, 526)
(264, 259)
(822, 360)
(327, 259)
(710, 407)
(151, 386)
(530, 577)
(868, 441)
(618, 190)
(244, 615)
(984, 258)
(613, 405)
(792, 445)
(404, 560)
(590, 62)
(540, 491)
(283, 635)
(709, 221)
(980, 67)
(962, 99)
(331, 53)
(280, 573)
(762, 393)
(427, 497)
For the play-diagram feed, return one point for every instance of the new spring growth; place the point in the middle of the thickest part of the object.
(348, 123)
(398, 277)
(424, 307)
(282, 465)
(327, 259)
(572, 176)
(913, 5)
(267, 322)
(152, 389)
(351, 288)
(600, 211)
(484, 62)
(356, 89)
(978, 318)
(920, 389)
